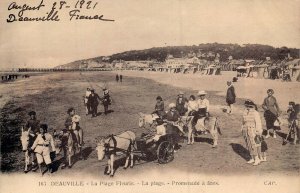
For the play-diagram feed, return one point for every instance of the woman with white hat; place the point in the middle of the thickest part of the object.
(252, 131)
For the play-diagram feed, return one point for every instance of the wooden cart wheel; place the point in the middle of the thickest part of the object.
(165, 152)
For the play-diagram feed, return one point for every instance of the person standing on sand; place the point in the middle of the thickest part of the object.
(230, 96)
(121, 78)
(94, 102)
(117, 78)
(86, 103)
(271, 113)
(106, 100)
(252, 131)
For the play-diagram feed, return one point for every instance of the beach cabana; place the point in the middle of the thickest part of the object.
(212, 70)
(262, 71)
(296, 74)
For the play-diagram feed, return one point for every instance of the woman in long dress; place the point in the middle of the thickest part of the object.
(252, 131)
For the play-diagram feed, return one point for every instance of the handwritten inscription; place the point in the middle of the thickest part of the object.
(53, 13)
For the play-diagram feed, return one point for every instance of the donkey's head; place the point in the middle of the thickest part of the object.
(100, 148)
(25, 138)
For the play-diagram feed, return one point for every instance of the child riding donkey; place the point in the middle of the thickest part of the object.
(71, 137)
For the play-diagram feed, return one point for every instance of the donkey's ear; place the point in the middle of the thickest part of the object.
(29, 129)
(22, 129)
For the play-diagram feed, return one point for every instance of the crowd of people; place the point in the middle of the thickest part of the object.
(42, 143)
(252, 129)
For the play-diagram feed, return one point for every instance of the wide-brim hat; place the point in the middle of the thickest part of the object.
(201, 92)
(181, 93)
(70, 110)
(32, 113)
(249, 103)
(172, 105)
(76, 118)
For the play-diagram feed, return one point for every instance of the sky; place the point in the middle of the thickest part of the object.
(142, 24)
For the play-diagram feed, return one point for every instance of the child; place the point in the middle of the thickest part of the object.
(292, 119)
(264, 148)
(41, 146)
(192, 106)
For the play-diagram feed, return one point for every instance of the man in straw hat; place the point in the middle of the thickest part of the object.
(252, 131)
(203, 111)
(181, 104)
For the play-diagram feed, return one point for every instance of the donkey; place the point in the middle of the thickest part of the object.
(204, 124)
(65, 141)
(110, 145)
(26, 141)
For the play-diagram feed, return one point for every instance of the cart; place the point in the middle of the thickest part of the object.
(159, 147)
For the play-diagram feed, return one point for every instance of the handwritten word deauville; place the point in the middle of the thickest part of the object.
(74, 11)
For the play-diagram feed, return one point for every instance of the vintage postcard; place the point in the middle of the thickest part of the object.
(149, 96)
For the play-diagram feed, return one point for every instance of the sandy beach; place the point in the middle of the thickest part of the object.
(246, 88)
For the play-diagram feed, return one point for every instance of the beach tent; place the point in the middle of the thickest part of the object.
(296, 74)
(261, 71)
(212, 70)
(274, 72)
(241, 70)
(292, 63)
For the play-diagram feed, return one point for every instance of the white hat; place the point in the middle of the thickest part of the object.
(76, 118)
(181, 93)
(201, 92)
(172, 105)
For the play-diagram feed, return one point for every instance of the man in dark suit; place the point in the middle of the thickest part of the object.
(93, 101)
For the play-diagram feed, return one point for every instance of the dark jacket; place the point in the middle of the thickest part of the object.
(180, 105)
(160, 109)
(94, 99)
(172, 117)
(34, 124)
(230, 95)
(106, 99)
(68, 122)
